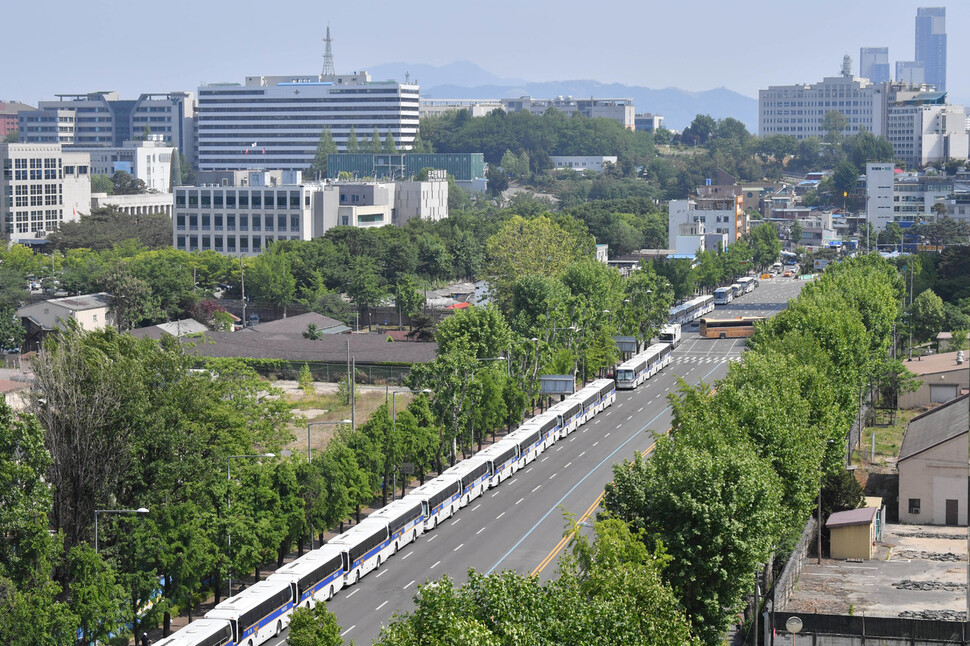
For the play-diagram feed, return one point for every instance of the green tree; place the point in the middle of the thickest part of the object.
(647, 298)
(305, 380)
(125, 184)
(315, 626)
(270, 280)
(131, 298)
(102, 184)
(105, 227)
(795, 233)
(390, 146)
(927, 315)
(482, 331)
(11, 137)
(364, 288)
(352, 145)
(326, 146)
(764, 243)
(374, 146)
(834, 123)
(407, 297)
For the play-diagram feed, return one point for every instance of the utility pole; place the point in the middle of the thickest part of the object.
(242, 280)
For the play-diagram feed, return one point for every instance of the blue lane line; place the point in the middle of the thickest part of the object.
(553, 508)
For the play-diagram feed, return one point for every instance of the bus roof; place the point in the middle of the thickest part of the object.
(248, 598)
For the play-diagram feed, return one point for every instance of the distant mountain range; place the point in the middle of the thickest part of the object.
(465, 80)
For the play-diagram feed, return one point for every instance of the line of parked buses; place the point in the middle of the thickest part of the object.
(263, 610)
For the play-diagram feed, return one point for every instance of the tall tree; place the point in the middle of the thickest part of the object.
(326, 146)
(271, 280)
(353, 146)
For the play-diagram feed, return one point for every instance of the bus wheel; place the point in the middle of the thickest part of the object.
(279, 628)
(356, 576)
(722, 336)
(434, 524)
(378, 563)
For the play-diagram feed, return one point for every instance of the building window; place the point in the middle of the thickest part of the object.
(914, 505)
(257, 225)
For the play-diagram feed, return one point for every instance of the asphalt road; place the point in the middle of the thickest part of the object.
(517, 525)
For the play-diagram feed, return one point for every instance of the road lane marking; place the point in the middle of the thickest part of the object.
(629, 418)
(435, 565)
(640, 410)
(560, 448)
(582, 480)
(458, 548)
(572, 439)
(348, 630)
(567, 465)
(406, 555)
(456, 521)
(476, 506)
(380, 606)
(500, 515)
(550, 477)
(607, 435)
(533, 491)
(382, 573)
(580, 455)
(353, 593)
(596, 442)
(519, 500)
(479, 531)
(432, 538)
(408, 585)
(544, 459)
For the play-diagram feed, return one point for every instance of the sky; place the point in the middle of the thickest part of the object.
(134, 47)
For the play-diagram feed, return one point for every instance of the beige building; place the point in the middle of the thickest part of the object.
(91, 311)
(934, 467)
(944, 377)
(853, 533)
(135, 204)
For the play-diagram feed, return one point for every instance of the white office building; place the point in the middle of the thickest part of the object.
(475, 107)
(150, 161)
(799, 110)
(879, 194)
(620, 110)
(41, 186)
(103, 119)
(925, 129)
(690, 221)
(276, 121)
(242, 212)
(580, 163)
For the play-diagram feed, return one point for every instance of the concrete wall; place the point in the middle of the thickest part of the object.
(933, 477)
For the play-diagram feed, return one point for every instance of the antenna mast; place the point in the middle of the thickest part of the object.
(328, 70)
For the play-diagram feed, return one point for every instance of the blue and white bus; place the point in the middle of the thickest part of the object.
(723, 295)
(441, 498)
(474, 474)
(258, 613)
(529, 440)
(503, 460)
(570, 412)
(363, 548)
(404, 519)
(201, 632)
(315, 577)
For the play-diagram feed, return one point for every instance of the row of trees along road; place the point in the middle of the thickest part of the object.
(119, 423)
(683, 532)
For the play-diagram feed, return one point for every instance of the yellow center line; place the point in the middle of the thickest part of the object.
(589, 512)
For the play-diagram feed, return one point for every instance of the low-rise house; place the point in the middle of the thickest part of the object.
(933, 466)
(91, 311)
(944, 377)
(853, 533)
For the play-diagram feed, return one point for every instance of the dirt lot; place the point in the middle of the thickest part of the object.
(906, 576)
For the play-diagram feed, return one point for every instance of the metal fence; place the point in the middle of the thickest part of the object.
(859, 629)
(335, 372)
(785, 583)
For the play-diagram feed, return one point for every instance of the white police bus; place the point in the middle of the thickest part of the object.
(315, 577)
(258, 613)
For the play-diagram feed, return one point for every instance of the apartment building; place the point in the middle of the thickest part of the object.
(41, 186)
(694, 218)
(620, 110)
(799, 110)
(150, 161)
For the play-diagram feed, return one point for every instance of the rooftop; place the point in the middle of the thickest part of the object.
(932, 363)
(934, 427)
(851, 517)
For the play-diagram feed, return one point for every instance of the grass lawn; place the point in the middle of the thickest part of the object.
(889, 439)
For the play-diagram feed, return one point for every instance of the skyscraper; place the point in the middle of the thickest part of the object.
(874, 64)
(931, 44)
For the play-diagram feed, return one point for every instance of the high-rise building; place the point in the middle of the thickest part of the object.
(799, 110)
(874, 64)
(931, 44)
(103, 119)
(276, 121)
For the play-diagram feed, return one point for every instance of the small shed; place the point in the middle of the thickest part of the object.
(853, 533)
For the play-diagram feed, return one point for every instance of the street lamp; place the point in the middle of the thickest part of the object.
(140, 510)
(229, 460)
(508, 362)
(387, 462)
(310, 460)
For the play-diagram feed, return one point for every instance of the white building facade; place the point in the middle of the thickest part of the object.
(924, 133)
(582, 162)
(620, 110)
(150, 161)
(41, 186)
(799, 110)
(276, 121)
(263, 207)
(691, 220)
(880, 179)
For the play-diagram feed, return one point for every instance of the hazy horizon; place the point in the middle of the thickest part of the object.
(696, 45)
